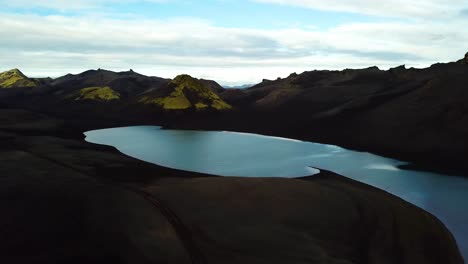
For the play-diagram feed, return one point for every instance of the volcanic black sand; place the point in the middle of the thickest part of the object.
(64, 200)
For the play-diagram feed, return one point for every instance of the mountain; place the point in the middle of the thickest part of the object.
(128, 84)
(244, 86)
(319, 90)
(127, 96)
(186, 92)
(126, 88)
(15, 78)
(333, 92)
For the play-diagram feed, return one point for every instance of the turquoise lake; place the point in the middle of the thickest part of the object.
(250, 155)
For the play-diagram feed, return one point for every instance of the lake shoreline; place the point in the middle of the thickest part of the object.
(324, 132)
(252, 155)
(55, 171)
(418, 162)
(231, 154)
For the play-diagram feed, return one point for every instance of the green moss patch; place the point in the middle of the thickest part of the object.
(188, 93)
(174, 102)
(201, 106)
(98, 94)
(15, 78)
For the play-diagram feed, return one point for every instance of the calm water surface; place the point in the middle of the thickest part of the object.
(239, 154)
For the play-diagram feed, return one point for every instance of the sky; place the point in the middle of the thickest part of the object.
(231, 41)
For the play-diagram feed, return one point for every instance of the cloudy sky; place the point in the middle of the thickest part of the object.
(231, 41)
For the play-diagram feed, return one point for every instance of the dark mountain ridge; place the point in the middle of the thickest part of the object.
(128, 84)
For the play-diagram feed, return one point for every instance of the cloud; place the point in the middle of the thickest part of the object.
(71, 5)
(428, 9)
(464, 12)
(55, 45)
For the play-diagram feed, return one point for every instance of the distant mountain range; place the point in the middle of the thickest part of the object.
(244, 86)
(124, 88)
(415, 114)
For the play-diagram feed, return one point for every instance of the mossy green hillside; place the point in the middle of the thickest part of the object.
(15, 78)
(98, 94)
(188, 92)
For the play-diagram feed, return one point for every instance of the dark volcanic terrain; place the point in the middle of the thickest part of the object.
(68, 201)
